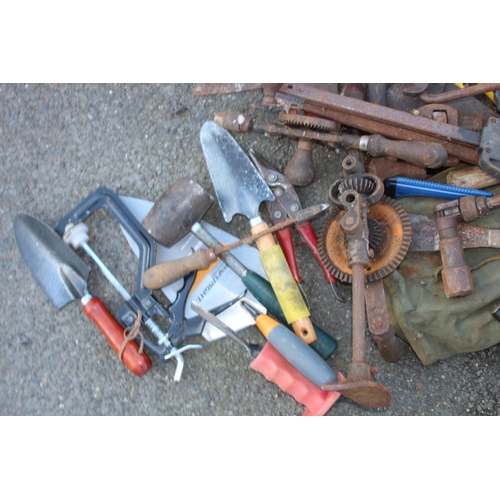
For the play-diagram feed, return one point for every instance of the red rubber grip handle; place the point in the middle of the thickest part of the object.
(137, 363)
(286, 242)
(309, 238)
(278, 370)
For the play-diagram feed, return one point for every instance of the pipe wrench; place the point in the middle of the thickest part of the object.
(285, 205)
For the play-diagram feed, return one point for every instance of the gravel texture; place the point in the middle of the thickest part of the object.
(60, 142)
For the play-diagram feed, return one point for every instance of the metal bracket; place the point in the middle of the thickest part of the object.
(489, 148)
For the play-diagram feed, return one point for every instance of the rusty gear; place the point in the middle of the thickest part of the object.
(364, 185)
(375, 236)
(392, 239)
(304, 121)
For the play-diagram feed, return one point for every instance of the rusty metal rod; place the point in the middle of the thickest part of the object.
(358, 314)
(452, 95)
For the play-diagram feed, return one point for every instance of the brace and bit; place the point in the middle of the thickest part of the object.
(355, 193)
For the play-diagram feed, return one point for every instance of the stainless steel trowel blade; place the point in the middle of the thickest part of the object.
(239, 187)
(62, 274)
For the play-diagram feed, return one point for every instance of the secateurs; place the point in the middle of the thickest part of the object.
(285, 205)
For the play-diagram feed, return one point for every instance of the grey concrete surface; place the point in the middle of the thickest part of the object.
(60, 142)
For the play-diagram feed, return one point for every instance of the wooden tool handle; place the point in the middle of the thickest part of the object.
(471, 177)
(163, 274)
(287, 292)
(424, 154)
(137, 363)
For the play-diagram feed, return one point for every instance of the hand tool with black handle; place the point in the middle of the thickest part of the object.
(63, 276)
(240, 189)
(269, 362)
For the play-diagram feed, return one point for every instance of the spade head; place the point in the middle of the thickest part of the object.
(238, 185)
(176, 211)
(60, 272)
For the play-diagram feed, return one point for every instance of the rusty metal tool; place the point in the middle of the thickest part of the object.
(474, 90)
(63, 275)
(469, 112)
(390, 348)
(459, 142)
(377, 93)
(425, 154)
(240, 189)
(165, 273)
(300, 169)
(269, 89)
(489, 148)
(456, 274)
(284, 207)
(384, 167)
(355, 195)
(425, 235)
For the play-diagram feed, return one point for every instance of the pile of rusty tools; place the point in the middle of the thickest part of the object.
(394, 138)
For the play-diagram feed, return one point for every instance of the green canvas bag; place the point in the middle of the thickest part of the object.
(437, 327)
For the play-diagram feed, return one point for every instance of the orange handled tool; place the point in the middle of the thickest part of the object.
(269, 362)
(137, 363)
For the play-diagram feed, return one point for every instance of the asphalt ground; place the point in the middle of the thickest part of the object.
(59, 142)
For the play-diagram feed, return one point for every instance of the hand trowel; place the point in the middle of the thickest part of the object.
(63, 275)
(240, 189)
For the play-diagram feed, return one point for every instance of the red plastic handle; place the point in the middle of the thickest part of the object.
(278, 370)
(286, 242)
(309, 238)
(137, 363)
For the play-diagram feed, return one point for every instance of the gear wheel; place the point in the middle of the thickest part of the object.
(375, 235)
(303, 121)
(363, 185)
(391, 237)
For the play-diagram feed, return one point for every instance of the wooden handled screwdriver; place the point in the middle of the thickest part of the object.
(163, 274)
